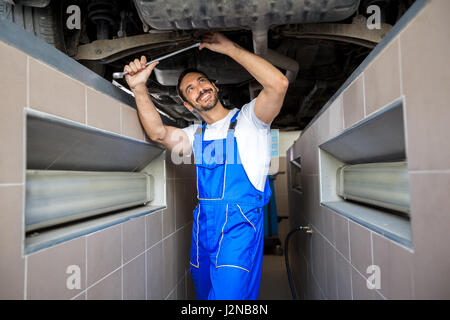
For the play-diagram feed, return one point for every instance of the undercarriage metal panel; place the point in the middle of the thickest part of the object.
(207, 14)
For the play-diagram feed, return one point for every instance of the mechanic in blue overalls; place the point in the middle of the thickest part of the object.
(232, 157)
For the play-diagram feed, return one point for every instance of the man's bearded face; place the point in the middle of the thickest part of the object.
(199, 92)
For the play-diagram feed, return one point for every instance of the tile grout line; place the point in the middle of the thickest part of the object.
(28, 82)
(364, 277)
(120, 119)
(350, 256)
(76, 123)
(385, 106)
(145, 256)
(446, 171)
(400, 66)
(110, 273)
(364, 93)
(349, 242)
(25, 285)
(121, 254)
(86, 265)
(185, 284)
(24, 180)
(174, 288)
(85, 106)
(371, 246)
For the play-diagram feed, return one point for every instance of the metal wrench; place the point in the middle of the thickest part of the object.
(120, 75)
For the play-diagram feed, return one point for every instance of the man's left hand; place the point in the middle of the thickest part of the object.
(217, 42)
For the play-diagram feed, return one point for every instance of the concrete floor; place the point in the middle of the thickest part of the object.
(274, 280)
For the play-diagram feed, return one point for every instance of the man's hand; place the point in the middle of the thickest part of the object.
(270, 99)
(217, 42)
(137, 72)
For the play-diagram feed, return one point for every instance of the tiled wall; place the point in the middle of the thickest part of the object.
(331, 263)
(142, 258)
(280, 183)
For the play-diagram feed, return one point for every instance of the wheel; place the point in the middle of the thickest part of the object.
(42, 22)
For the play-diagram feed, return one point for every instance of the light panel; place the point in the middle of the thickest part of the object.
(54, 197)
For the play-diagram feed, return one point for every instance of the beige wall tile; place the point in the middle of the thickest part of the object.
(317, 218)
(190, 289)
(430, 205)
(299, 264)
(155, 272)
(131, 125)
(382, 79)
(330, 265)
(184, 200)
(425, 44)
(335, 117)
(169, 264)
(328, 224)
(12, 266)
(54, 92)
(360, 247)
(183, 246)
(353, 102)
(168, 216)
(318, 260)
(80, 296)
(359, 287)
(330, 122)
(133, 238)
(181, 289)
(169, 165)
(396, 268)
(50, 271)
(134, 285)
(153, 224)
(308, 150)
(104, 253)
(13, 93)
(341, 235)
(172, 295)
(103, 112)
(343, 277)
(109, 288)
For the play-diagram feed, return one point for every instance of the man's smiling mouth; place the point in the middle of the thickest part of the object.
(205, 96)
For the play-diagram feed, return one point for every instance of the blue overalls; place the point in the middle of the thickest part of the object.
(227, 230)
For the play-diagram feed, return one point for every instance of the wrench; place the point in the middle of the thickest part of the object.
(120, 75)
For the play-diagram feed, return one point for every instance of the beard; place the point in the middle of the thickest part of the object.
(211, 103)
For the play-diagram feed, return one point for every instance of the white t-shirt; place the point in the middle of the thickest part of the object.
(252, 137)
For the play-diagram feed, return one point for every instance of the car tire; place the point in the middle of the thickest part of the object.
(44, 23)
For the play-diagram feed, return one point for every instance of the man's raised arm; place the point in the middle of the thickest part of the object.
(275, 84)
(172, 138)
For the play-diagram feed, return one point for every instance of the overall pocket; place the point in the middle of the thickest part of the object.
(194, 252)
(211, 171)
(238, 241)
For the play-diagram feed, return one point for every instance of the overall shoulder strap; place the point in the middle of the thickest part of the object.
(199, 130)
(233, 121)
(198, 141)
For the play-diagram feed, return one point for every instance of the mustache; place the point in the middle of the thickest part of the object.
(202, 93)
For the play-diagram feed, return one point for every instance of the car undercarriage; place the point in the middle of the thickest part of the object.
(317, 44)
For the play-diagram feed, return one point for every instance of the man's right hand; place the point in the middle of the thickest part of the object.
(137, 72)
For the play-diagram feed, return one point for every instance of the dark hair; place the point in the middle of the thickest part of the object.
(182, 75)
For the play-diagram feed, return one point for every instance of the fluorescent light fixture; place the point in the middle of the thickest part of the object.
(382, 184)
(55, 197)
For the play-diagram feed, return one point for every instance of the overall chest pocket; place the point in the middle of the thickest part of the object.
(211, 170)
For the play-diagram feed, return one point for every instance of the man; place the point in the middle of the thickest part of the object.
(232, 157)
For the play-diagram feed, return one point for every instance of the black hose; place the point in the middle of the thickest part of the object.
(286, 257)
